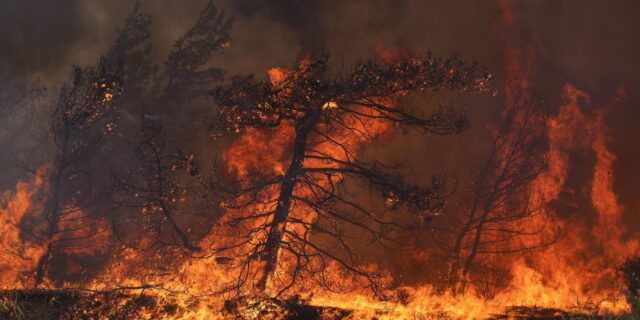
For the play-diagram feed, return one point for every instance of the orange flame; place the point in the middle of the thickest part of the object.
(18, 257)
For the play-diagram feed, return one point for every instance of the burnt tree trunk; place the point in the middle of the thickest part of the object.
(184, 239)
(52, 216)
(278, 225)
(459, 276)
(456, 267)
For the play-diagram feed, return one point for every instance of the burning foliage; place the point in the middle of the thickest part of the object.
(326, 118)
(72, 304)
(82, 121)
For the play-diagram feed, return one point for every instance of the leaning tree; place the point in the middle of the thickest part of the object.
(323, 118)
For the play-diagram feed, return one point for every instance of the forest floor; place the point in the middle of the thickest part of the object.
(66, 304)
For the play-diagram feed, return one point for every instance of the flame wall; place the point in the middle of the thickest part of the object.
(578, 57)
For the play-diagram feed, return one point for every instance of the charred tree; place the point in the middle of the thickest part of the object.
(83, 127)
(329, 116)
(86, 142)
(156, 191)
(82, 121)
(133, 49)
(158, 209)
(500, 217)
(186, 68)
(153, 191)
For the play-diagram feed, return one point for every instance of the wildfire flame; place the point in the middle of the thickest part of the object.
(577, 271)
(18, 256)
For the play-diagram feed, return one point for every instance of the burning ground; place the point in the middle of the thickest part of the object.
(269, 166)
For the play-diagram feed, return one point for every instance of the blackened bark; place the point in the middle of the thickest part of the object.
(279, 223)
(52, 217)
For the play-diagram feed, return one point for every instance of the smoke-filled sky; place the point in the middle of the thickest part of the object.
(592, 44)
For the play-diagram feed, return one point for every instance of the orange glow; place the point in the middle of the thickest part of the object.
(575, 273)
(19, 257)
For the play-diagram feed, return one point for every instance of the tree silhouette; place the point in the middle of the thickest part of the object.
(186, 67)
(158, 209)
(327, 117)
(132, 48)
(155, 191)
(82, 121)
(150, 184)
(499, 216)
